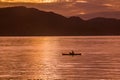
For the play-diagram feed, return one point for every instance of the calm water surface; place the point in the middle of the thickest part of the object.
(40, 58)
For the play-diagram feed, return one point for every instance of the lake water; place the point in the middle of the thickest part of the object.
(40, 58)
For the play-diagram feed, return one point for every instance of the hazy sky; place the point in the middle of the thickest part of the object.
(67, 7)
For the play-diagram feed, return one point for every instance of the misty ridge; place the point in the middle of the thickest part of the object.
(22, 21)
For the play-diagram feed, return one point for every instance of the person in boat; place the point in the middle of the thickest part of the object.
(72, 52)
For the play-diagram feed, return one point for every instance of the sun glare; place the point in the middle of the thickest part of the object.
(81, 1)
(82, 13)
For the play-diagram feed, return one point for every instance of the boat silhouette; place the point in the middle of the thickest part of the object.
(71, 53)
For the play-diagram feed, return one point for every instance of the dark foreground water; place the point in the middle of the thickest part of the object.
(40, 58)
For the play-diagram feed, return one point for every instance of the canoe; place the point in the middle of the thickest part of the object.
(71, 54)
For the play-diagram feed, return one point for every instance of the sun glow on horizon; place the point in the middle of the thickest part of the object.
(82, 13)
(82, 1)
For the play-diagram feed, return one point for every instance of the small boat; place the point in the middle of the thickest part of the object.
(71, 54)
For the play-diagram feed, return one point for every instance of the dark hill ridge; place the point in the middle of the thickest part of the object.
(22, 21)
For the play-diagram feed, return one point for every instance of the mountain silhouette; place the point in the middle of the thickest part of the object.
(22, 21)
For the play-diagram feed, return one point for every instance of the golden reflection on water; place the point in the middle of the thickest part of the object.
(46, 58)
(40, 58)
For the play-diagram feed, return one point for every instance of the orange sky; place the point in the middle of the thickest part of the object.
(67, 7)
